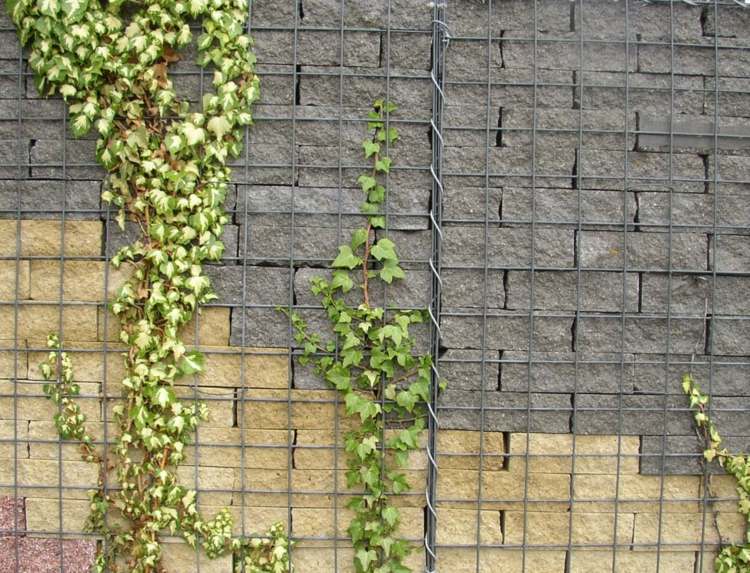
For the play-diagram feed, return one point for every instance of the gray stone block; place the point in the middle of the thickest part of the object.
(730, 253)
(506, 330)
(267, 13)
(717, 375)
(414, 247)
(646, 22)
(332, 207)
(77, 160)
(356, 14)
(686, 211)
(601, 373)
(271, 239)
(478, 18)
(733, 22)
(351, 87)
(510, 166)
(411, 292)
(732, 174)
(565, 51)
(566, 290)
(10, 48)
(693, 59)
(682, 295)
(277, 86)
(317, 47)
(730, 336)
(731, 295)
(597, 129)
(46, 199)
(692, 133)
(639, 334)
(408, 50)
(250, 285)
(462, 369)
(606, 250)
(469, 204)
(648, 93)
(554, 89)
(674, 455)
(465, 288)
(733, 97)
(592, 209)
(507, 247)
(268, 327)
(504, 411)
(601, 169)
(641, 414)
(331, 175)
(471, 60)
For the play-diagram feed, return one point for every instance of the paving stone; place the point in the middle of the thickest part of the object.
(604, 249)
(567, 290)
(504, 411)
(644, 334)
(509, 247)
(601, 373)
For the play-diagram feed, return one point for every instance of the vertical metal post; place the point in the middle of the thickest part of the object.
(440, 40)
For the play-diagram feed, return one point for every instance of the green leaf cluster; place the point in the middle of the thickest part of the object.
(731, 558)
(384, 384)
(167, 175)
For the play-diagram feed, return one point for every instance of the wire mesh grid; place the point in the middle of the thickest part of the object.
(566, 176)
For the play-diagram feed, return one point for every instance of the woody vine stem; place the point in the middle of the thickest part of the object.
(167, 175)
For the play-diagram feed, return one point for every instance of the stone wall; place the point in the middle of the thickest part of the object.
(595, 227)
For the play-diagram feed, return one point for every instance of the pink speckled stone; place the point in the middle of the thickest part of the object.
(7, 507)
(46, 555)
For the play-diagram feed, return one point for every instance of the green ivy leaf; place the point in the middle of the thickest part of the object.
(346, 259)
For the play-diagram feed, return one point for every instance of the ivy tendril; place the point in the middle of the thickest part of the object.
(372, 364)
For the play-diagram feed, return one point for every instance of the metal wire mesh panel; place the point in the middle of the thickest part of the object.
(569, 197)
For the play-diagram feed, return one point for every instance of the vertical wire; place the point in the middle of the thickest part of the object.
(61, 319)
(485, 279)
(439, 43)
(668, 349)
(105, 371)
(577, 260)
(532, 277)
(290, 301)
(240, 396)
(624, 298)
(20, 86)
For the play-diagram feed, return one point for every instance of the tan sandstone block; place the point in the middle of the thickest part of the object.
(459, 526)
(547, 528)
(553, 453)
(731, 526)
(722, 493)
(79, 322)
(30, 402)
(50, 473)
(9, 290)
(636, 493)
(497, 560)
(325, 522)
(42, 238)
(460, 449)
(683, 531)
(88, 361)
(81, 280)
(322, 558)
(309, 409)
(263, 367)
(179, 556)
(13, 359)
(504, 490)
(222, 447)
(44, 515)
(590, 561)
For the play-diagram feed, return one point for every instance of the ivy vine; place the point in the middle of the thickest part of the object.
(733, 558)
(371, 362)
(167, 173)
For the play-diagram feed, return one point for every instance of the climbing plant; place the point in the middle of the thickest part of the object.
(733, 558)
(371, 361)
(167, 175)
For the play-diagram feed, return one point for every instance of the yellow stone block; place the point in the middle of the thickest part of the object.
(625, 561)
(81, 280)
(30, 402)
(88, 361)
(79, 322)
(248, 367)
(43, 515)
(637, 493)
(460, 449)
(681, 531)
(547, 528)
(298, 409)
(460, 526)
(9, 290)
(553, 453)
(43, 237)
(500, 560)
(179, 556)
